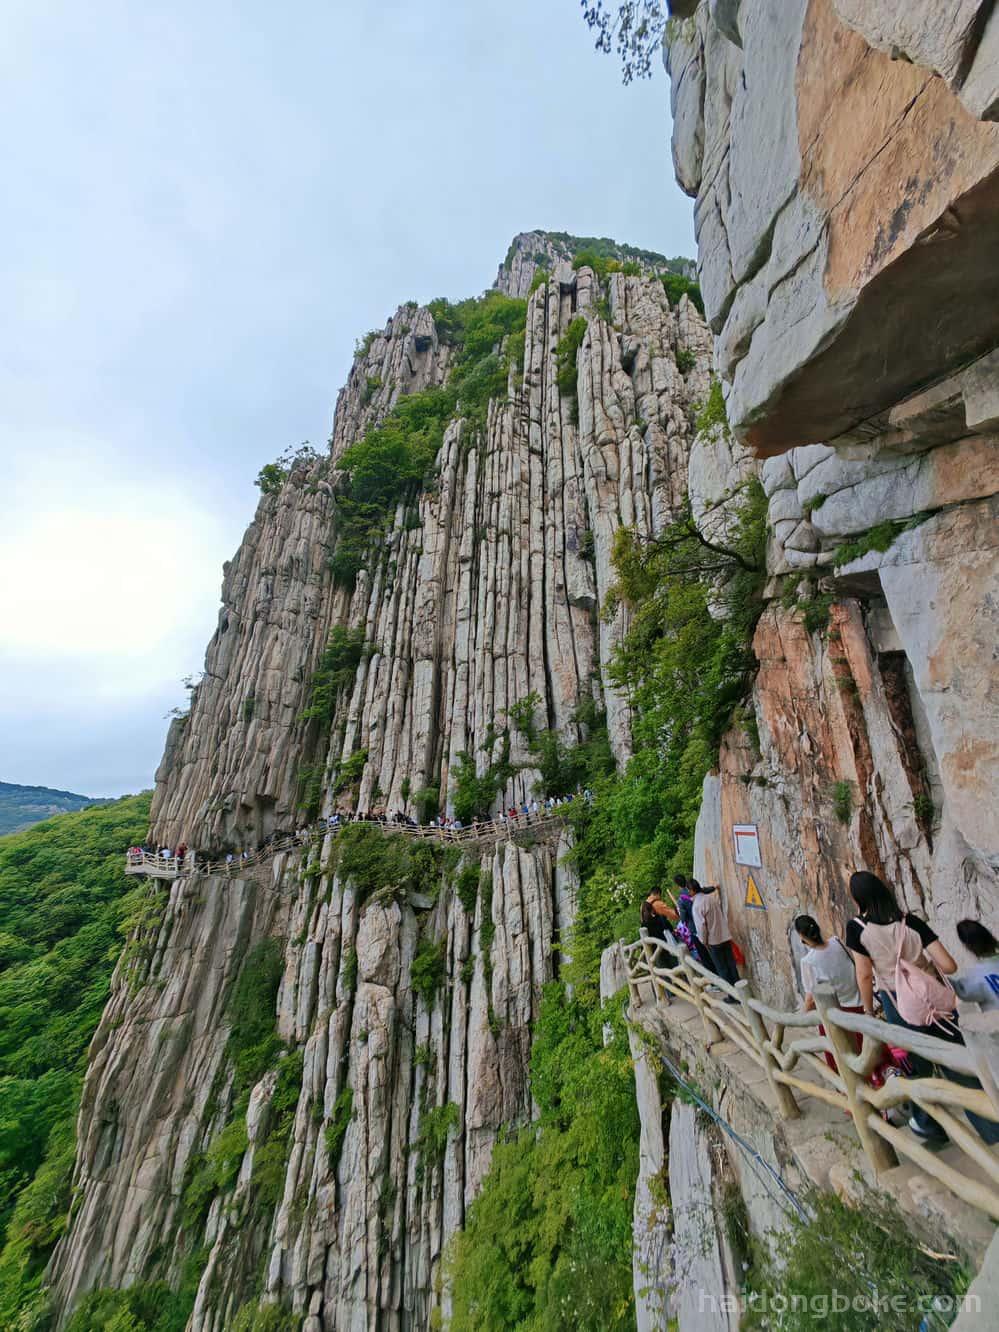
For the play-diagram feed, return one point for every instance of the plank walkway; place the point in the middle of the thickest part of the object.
(482, 833)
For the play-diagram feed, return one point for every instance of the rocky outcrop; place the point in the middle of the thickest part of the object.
(409, 1005)
(553, 252)
(846, 173)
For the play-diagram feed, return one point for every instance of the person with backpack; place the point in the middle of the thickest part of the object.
(979, 983)
(656, 916)
(899, 956)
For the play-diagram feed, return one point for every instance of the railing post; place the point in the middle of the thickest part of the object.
(633, 991)
(783, 1094)
(712, 1032)
(877, 1151)
(651, 954)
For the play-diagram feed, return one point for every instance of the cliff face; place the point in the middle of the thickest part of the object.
(844, 165)
(875, 740)
(846, 170)
(406, 991)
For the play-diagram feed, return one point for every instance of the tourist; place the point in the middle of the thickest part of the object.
(979, 983)
(878, 937)
(656, 916)
(687, 928)
(827, 963)
(182, 853)
(713, 930)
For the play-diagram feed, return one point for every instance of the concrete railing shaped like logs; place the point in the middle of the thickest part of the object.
(790, 1049)
(487, 832)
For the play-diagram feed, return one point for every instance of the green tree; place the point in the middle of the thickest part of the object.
(65, 907)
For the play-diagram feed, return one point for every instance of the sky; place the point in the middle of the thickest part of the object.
(205, 205)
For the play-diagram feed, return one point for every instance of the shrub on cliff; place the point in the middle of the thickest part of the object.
(345, 649)
(566, 356)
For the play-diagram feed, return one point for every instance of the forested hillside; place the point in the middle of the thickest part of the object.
(21, 806)
(64, 908)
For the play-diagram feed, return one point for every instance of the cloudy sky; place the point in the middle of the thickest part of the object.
(205, 204)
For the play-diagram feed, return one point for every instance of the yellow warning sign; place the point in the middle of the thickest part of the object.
(753, 898)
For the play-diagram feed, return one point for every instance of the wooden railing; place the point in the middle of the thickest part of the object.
(481, 832)
(790, 1050)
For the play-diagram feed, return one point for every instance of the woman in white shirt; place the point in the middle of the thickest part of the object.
(827, 962)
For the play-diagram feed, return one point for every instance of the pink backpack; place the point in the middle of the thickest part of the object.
(923, 998)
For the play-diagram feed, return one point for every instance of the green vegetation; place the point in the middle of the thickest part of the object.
(21, 806)
(270, 1162)
(677, 285)
(842, 801)
(435, 1125)
(255, 1317)
(371, 386)
(253, 1041)
(350, 771)
(363, 345)
(540, 278)
(216, 1170)
(396, 457)
(711, 412)
(336, 1129)
(391, 461)
(273, 475)
(467, 886)
(427, 971)
(375, 863)
(685, 360)
(473, 793)
(815, 611)
(565, 768)
(547, 1244)
(344, 651)
(65, 906)
(566, 361)
(860, 1253)
(151, 1307)
(924, 808)
(879, 538)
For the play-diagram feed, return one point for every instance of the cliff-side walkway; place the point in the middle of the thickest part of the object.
(544, 825)
(803, 1066)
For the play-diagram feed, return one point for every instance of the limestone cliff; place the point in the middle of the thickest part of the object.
(845, 164)
(403, 1011)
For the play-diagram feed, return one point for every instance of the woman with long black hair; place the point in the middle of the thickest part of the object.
(878, 937)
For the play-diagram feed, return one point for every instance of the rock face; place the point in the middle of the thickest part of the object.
(845, 165)
(807, 131)
(846, 171)
(486, 588)
(553, 252)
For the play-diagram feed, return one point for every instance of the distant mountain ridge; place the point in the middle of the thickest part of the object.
(21, 806)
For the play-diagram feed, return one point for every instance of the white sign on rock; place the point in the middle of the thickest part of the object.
(747, 845)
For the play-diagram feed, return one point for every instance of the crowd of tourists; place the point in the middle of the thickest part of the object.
(891, 964)
(523, 815)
